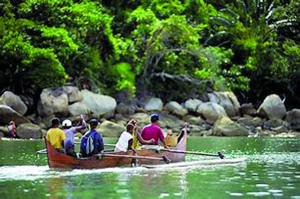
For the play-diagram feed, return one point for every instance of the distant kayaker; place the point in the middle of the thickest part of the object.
(92, 141)
(55, 135)
(154, 131)
(11, 129)
(70, 134)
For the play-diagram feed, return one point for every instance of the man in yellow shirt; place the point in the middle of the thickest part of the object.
(55, 135)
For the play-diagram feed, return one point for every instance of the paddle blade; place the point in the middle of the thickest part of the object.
(221, 155)
(166, 159)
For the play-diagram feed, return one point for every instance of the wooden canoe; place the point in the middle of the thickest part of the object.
(60, 160)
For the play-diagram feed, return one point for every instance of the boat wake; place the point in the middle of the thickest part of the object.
(31, 172)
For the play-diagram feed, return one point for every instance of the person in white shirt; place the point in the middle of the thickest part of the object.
(125, 140)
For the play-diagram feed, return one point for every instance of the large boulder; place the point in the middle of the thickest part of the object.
(74, 95)
(211, 111)
(110, 129)
(272, 108)
(28, 130)
(78, 108)
(192, 104)
(125, 109)
(152, 104)
(53, 102)
(7, 114)
(293, 118)
(10, 99)
(247, 109)
(230, 103)
(224, 126)
(100, 105)
(175, 108)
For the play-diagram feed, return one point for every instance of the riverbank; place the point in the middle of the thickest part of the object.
(212, 114)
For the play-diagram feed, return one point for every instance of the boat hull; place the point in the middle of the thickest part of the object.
(57, 159)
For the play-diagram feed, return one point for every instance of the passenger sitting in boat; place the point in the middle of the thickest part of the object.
(126, 139)
(70, 132)
(137, 138)
(92, 141)
(153, 131)
(55, 135)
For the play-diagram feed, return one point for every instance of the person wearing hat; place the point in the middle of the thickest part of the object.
(92, 141)
(55, 135)
(153, 131)
(70, 132)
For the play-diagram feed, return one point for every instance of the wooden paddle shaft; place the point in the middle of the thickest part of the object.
(131, 156)
(190, 152)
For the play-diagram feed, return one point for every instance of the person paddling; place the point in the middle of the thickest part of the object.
(70, 134)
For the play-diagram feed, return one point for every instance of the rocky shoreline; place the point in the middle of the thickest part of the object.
(213, 114)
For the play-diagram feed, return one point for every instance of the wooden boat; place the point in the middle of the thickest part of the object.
(60, 160)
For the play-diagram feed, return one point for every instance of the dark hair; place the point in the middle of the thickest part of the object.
(154, 118)
(55, 121)
(129, 127)
(94, 122)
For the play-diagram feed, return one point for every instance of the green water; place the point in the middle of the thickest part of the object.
(272, 170)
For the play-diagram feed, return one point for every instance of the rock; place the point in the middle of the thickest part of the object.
(273, 123)
(100, 105)
(28, 130)
(224, 126)
(110, 129)
(175, 109)
(247, 109)
(193, 120)
(7, 114)
(10, 99)
(74, 95)
(53, 101)
(192, 105)
(213, 98)
(272, 108)
(247, 121)
(152, 104)
(124, 109)
(78, 108)
(211, 111)
(230, 103)
(293, 118)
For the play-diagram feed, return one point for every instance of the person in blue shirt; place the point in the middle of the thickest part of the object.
(92, 141)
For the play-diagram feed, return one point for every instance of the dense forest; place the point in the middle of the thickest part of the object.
(172, 49)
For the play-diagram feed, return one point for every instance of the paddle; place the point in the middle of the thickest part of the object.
(194, 153)
(164, 158)
(111, 145)
(42, 151)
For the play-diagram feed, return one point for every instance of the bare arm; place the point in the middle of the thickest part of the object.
(83, 123)
(142, 141)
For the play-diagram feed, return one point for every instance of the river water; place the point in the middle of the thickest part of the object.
(272, 170)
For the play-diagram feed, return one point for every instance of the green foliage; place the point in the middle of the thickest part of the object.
(122, 44)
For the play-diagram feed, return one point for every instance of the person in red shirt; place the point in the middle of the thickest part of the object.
(153, 131)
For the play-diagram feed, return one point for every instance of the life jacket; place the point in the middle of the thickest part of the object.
(87, 144)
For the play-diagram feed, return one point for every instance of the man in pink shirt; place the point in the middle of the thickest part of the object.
(153, 131)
